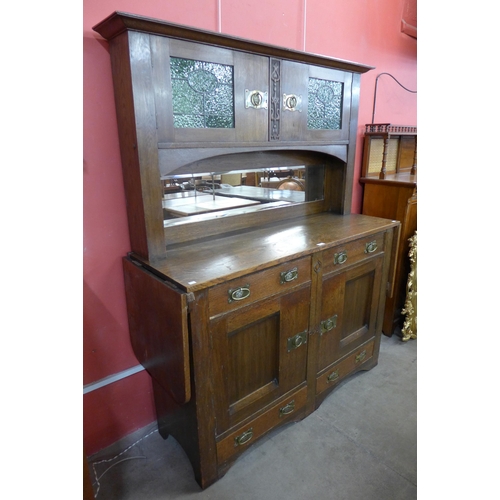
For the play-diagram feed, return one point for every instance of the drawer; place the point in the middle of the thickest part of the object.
(340, 370)
(339, 257)
(245, 435)
(252, 287)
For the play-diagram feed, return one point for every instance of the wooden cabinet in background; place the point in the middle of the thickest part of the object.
(245, 318)
(389, 179)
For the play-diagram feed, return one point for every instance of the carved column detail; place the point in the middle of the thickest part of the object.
(275, 85)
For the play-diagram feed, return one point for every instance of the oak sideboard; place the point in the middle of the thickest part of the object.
(249, 299)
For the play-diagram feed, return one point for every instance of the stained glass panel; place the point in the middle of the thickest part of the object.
(202, 94)
(324, 110)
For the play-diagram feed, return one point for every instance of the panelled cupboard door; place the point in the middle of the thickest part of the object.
(348, 310)
(260, 354)
(201, 93)
(315, 103)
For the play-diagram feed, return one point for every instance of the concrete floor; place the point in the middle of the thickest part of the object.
(360, 444)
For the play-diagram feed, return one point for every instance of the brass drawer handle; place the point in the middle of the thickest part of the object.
(328, 324)
(255, 99)
(243, 438)
(296, 341)
(340, 258)
(333, 376)
(371, 247)
(240, 293)
(360, 356)
(287, 276)
(287, 409)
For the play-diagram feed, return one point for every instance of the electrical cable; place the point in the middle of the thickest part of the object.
(375, 91)
(114, 458)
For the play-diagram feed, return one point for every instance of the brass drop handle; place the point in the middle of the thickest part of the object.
(243, 438)
(287, 409)
(371, 247)
(333, 376)
(340, 258)
(287, 276)
(292, 102)
(240, 293)
(360, 356)
(255, 99)
(296, 341)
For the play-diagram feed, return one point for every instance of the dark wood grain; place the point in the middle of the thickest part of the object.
(268, 420)
(225, 157)
(254, 366)
(152, 147)
(348, 179)
(350, 295)
(122, 82)
(394, 197)
(329, 378)
(212, 261)
(204, 370)
(159, 329)
(226, 310)
(130, 57)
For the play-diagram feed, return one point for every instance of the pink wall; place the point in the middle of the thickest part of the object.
(362, 31)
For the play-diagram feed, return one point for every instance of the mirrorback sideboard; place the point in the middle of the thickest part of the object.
(252, 291)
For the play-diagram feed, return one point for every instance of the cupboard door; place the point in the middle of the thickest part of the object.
(315, 103)
(260, 354)
(348, 310)
(201, 93)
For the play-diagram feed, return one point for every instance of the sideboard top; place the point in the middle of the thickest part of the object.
(118, 22)
(209, 262)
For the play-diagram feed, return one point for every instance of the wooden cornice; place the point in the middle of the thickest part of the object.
(118, 22)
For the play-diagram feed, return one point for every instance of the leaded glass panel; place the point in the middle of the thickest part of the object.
(324, 111)
(202, 94)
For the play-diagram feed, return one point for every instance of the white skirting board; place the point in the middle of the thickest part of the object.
(111, 378)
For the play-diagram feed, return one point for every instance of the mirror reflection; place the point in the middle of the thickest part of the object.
(236, 192)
